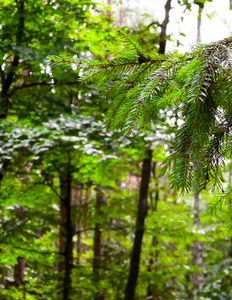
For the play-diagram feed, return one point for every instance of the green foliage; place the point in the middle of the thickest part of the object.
(54, 122)
(198, 83)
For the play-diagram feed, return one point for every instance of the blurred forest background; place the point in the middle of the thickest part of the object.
(86, 213)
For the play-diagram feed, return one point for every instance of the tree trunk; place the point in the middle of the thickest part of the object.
(109, 12)
(97, 247)
(79, 196)
(66, 232)
(197, 258)
(163, 34)
(151, 289)
(86, 219)
(3, 272)
(121, 12)
(139, 229)
(19, 271)
(7, 78)
(200, 9)
(6, 82)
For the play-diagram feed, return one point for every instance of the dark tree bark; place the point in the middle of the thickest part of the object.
(19, 271)
(62, 237)
(86, 219)
(139, 229)
(163, 34)
(77, 197)
(3, 170)
(97, 247)
(3, 272)
(7, 78)
(66, 232)
(6, 82)
(87, 201)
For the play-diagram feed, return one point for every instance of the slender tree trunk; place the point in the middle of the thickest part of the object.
(7, 78)
(6, 82)
(62, 238)
(163, 34)
(200, 9)
(79, 223)
(86, 219)
(87, 201)
(97, 248)
(109, 12)
(66, 232)
(139, 229)
(19, 271)
(151, 289)
(121, 11)
(3, 272)
(197, 258)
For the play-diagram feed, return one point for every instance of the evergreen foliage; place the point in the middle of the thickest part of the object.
(198, 83)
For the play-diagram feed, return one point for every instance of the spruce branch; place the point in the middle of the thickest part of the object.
(219, 200)
(199, 83)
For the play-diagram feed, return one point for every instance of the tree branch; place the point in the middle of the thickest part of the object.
(16, 88)
(152, 23)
